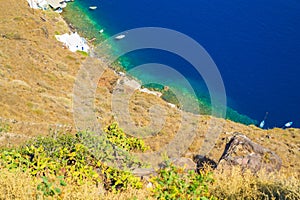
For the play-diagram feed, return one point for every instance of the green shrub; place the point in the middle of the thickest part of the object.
(83, 53)
(174, 183)
(117, 136)
(75, 164)
(76, 159)
(116, 180)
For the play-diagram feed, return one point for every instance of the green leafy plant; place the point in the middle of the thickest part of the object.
(174, 183)
(49, 188)
(117, 136)
(76, 159)
(83, 53)
(118, 180)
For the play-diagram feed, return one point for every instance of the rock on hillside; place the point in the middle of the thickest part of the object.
(241, 151)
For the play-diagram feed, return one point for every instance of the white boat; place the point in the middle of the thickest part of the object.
(262, 123)
(119, 37)
(101, 31)
(93, 7)
(289, 124)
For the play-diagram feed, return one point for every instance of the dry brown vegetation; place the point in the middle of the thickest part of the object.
(233, 184)
(36, 83)
(19, 185)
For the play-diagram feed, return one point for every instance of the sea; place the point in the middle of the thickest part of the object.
(254, 44)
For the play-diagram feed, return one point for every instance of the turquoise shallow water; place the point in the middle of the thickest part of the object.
(255, 45)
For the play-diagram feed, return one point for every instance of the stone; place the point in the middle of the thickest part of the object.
(142, 172)
(145, 174)
(186, 163)
(241, 151)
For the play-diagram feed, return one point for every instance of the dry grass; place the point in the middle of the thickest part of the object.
(16, 185)
(229, 184)
(20, 185)
(235, 184)
(32, 79)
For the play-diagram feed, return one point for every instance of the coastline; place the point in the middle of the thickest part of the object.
(129, 81)
(80, 21)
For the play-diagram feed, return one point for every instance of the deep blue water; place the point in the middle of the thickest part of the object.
(255, 44)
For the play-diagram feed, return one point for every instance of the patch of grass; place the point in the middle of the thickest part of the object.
(8, 67)
(12, 36)
(83, 53)
(38, 111)
(70, 57)
(235, 184)
(30, 104)
(18, 18)
(4, 127)
(52, 77)
(21, 185)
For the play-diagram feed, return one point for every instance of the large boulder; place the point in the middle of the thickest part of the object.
(243, 152)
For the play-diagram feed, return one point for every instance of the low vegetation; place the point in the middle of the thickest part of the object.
(175, 183)
(118, 137)
(61, 164)
(59, 160)
(4, 127)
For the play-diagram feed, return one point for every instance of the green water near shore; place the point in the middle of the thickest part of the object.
(88, 28)
(80, 18)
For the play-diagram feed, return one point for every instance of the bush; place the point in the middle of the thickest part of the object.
(83, 53)
(63, 159)
(117, 136)
(173, 183)
(117, 180)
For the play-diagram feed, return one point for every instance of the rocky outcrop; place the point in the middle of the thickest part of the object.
(241, 151)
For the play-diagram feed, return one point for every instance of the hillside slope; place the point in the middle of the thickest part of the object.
(36, 82)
